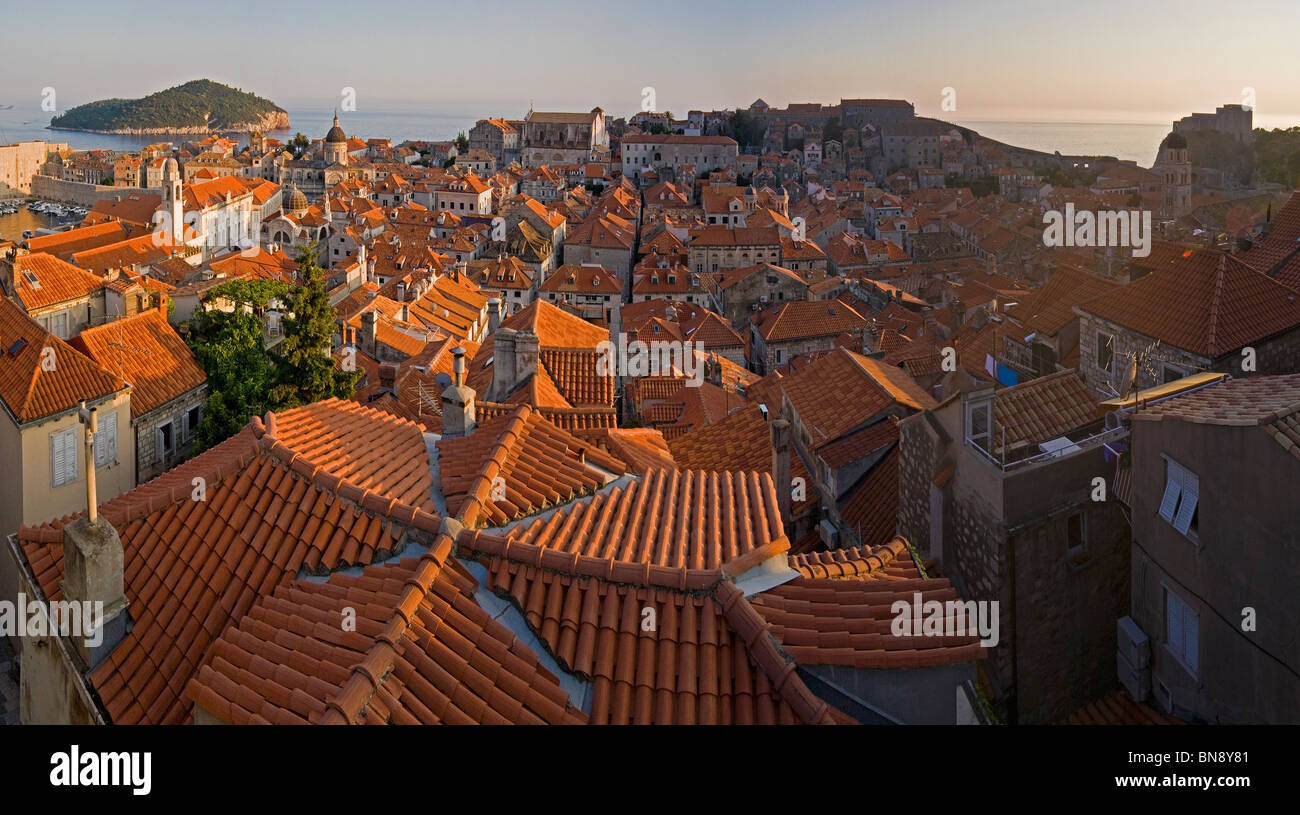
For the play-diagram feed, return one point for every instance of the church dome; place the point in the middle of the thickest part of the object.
(336, 134)
(297, 201)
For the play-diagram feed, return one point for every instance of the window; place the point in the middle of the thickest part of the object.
(1076, 537)
(979, 423)
(1182, 626)
(1180, 504)
(106, 440)
(166, 441)
(191, 425)
(1105, 351)
(63, 456)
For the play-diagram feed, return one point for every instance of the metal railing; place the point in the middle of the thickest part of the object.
(1079, 446)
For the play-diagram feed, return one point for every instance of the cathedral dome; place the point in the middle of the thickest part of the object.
(336, 134)
(297, 201)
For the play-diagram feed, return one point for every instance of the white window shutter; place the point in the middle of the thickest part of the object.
(106, 440)
(63, 457)
(1173, 488)
(58, 457)
(1191, 492)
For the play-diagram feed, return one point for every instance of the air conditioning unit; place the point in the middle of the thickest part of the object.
(1133, 658)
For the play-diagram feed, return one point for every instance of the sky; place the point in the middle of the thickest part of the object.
(1049, 61)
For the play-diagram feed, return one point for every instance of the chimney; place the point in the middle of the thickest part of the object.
(388, 376)
(401, 292)
(458, 399)
(494, 314)
(503, 365)
(781, 466)
(369, 331)
(713, 370)
(526, 351)
(93, 565)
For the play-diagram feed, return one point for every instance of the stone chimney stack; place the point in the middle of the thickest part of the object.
(401, 292)
(458, 400)
(781, 466)
(526, 352)
(369, 331)
(713, 370)
(494, 314)
(503, 365)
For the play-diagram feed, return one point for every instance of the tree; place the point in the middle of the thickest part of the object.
(462, 143)
(229, 347)
(303, 370)
(744, 128)
(833, 131)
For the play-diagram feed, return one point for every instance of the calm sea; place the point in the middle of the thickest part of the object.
(398, 125)
(1136, 142)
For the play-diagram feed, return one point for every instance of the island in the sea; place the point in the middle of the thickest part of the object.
(199, 106)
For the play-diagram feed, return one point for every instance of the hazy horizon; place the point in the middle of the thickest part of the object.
(1132, 65)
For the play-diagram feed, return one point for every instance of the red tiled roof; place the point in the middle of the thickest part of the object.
(849, 622)
(148, 353)
(42, 280)
(1042, 409)
(539, 465)
(807, 318)
(740, 442)
(1269, 402)
(1118, 708)
(841, 390)
(1208, 303)
(678, 520)
(193, 567)
(32, 390)
(290, 657)
(871, 507)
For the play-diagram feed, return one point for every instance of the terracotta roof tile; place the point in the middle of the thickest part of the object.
(42, 280)
(269, 511)
(1269, 402)
(289, 658)
(148, 353)
(1042, 409)
(1208, 303)
(517, 464)
(742, 441)
(1118, 708)
(29, 389)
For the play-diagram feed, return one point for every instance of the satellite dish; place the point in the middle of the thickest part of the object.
(442, 380)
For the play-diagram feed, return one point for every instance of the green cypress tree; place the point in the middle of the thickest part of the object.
(304, 370)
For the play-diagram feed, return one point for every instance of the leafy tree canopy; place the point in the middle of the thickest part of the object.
(303, 369)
